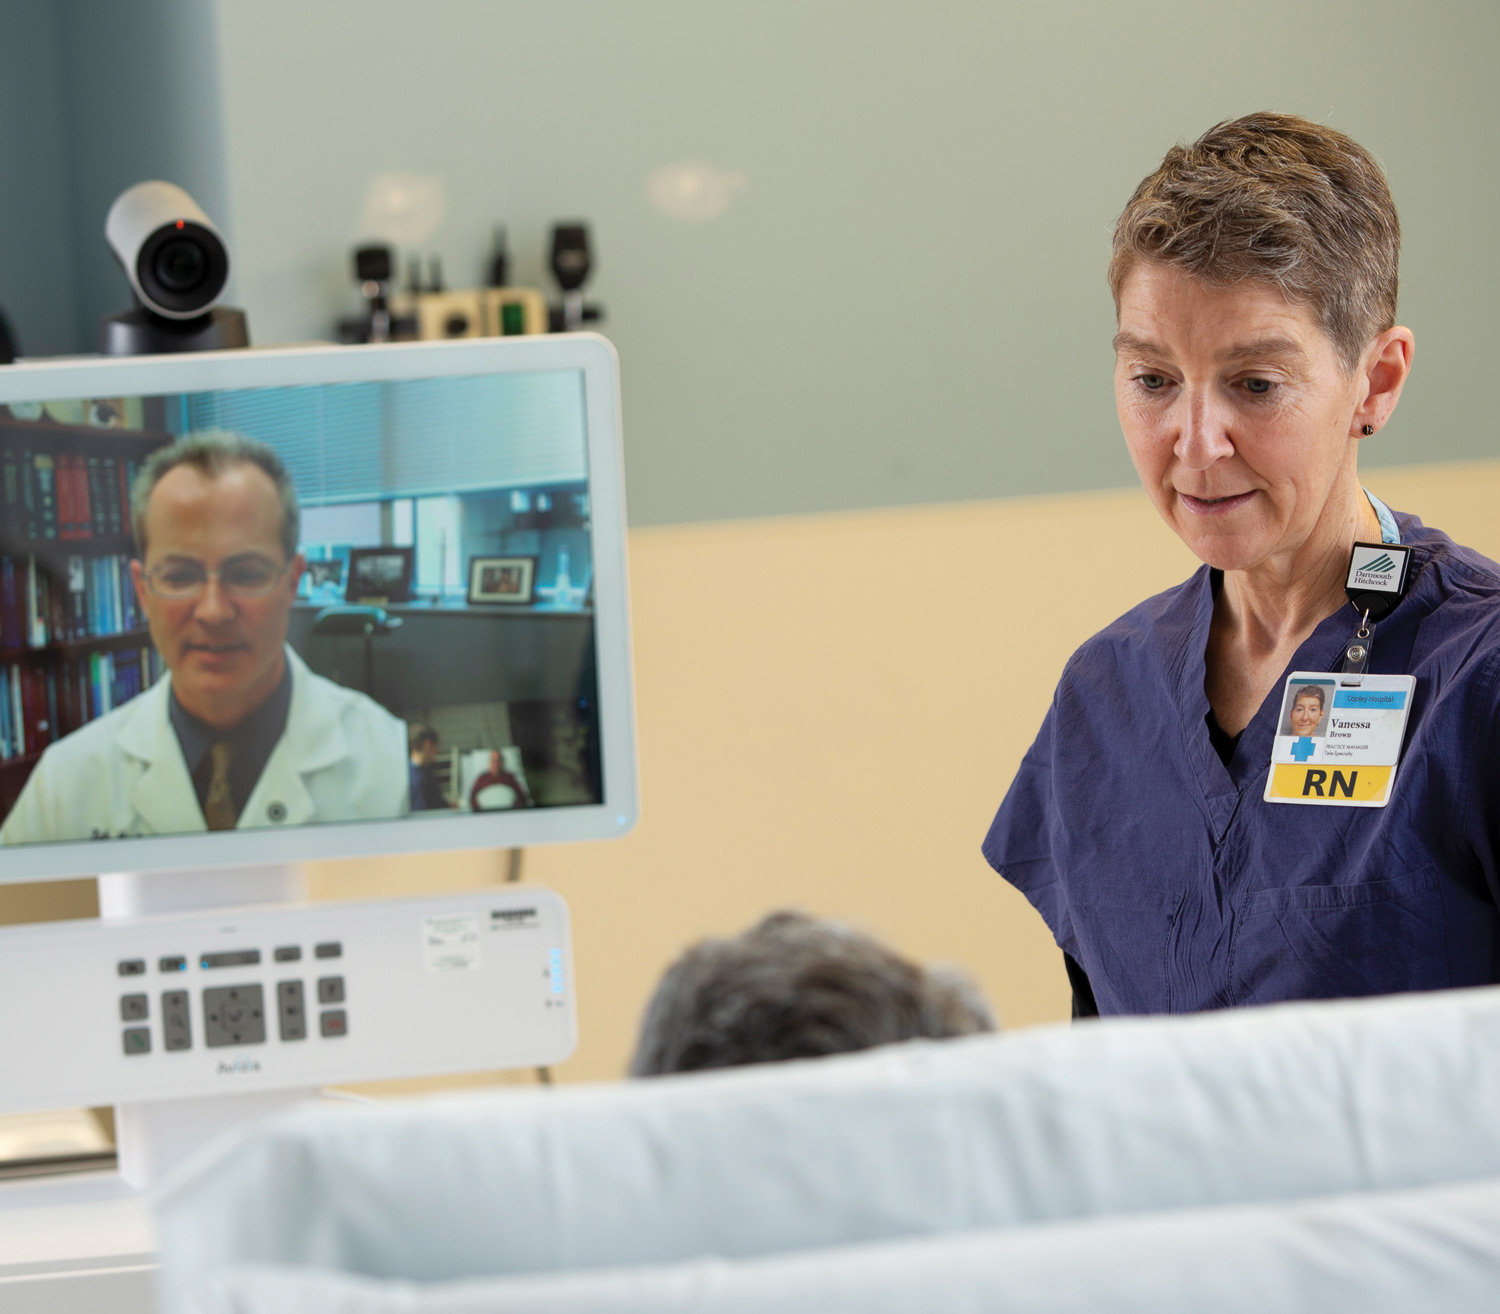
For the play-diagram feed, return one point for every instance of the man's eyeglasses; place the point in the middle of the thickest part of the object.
(244, 577)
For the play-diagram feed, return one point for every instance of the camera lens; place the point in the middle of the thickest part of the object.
(180, 265)
(181, 269)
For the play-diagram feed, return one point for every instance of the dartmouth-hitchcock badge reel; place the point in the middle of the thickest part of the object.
(1338, 739)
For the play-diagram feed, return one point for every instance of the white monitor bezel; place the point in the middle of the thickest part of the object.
(594, 356)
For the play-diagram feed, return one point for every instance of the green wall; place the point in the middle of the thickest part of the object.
(903, 299)
(37, 287)
(95, 95)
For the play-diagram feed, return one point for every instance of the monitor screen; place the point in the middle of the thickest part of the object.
(269, 606)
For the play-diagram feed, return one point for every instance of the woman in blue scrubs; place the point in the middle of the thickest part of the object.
(1254, 277)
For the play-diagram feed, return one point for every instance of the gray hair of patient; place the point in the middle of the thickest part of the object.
(212, 453)
(795, 986)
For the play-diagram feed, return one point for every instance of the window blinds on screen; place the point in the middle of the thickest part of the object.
(355, 442)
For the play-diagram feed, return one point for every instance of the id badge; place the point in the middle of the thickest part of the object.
(1337, 745)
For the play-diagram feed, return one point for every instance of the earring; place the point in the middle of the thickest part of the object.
(1368, 430)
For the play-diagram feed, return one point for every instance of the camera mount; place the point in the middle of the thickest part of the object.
(178, 264)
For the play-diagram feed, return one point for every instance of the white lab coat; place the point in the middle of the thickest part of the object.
(341, 757)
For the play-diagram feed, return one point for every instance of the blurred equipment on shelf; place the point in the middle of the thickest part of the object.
(178, 264)
(499, 260)
(374, 267)
(456, 314)
(512, 310)
(571, 266)
(8, 349)
(424, 308)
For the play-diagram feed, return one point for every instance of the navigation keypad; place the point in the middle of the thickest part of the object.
(234, 1015)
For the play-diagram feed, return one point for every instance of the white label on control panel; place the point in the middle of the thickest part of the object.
(451, 943)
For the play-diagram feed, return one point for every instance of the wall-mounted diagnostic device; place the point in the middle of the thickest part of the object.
(173, 529)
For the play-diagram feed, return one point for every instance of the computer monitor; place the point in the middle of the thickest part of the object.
(263, 607)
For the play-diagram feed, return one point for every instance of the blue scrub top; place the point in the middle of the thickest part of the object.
(1176, 887)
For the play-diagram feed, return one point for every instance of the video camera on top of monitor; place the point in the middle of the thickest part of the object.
(178, 265)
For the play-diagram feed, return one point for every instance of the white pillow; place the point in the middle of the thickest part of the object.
(1050, 1123)
(1437, 1248)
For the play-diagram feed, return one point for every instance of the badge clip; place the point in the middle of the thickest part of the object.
(1357, 654)
(1375, 585)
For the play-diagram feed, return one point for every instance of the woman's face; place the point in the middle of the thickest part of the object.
(1307, 711)
(1236, 410)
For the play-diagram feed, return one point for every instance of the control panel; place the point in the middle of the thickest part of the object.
(266, 998)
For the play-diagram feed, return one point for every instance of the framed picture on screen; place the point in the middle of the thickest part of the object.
(502, 579)
(380, 575)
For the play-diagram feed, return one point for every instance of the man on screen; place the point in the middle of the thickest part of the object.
(240, 733)
(497, 789)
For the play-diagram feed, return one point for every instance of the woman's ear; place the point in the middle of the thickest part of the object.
(1382, 373)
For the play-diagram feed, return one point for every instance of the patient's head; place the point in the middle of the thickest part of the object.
(794, 986)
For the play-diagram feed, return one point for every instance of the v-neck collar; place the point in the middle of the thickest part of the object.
(1221, 786)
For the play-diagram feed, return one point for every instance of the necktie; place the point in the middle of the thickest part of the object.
(218, 808)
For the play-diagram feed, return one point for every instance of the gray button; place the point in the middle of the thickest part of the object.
(288, 953)
(233, 1015)
(334, 1023)
(132, 967)
(176, 1023)
(291, 1011)
(330, 990)
(329, 949)
(230, 958)
(134, 1008)
(137, 1040)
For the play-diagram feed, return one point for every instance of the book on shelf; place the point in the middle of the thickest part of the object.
(113, 504)
(73, 514)
(43, 603)
(36, 605)
(10, 494)
(26, 526)
(44, 469)
(96, 496)
(38, 706)
(10, 609)
(63, 495)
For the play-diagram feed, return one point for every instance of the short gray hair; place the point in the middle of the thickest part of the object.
(795, 986)
(1279, 200)
(212, 452)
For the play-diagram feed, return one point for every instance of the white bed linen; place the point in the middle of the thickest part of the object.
(1437, 1248)
(1051, 1123)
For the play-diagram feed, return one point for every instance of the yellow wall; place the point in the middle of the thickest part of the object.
(830, 709)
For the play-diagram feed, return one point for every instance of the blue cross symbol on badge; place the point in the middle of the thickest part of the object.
(1303, 748)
